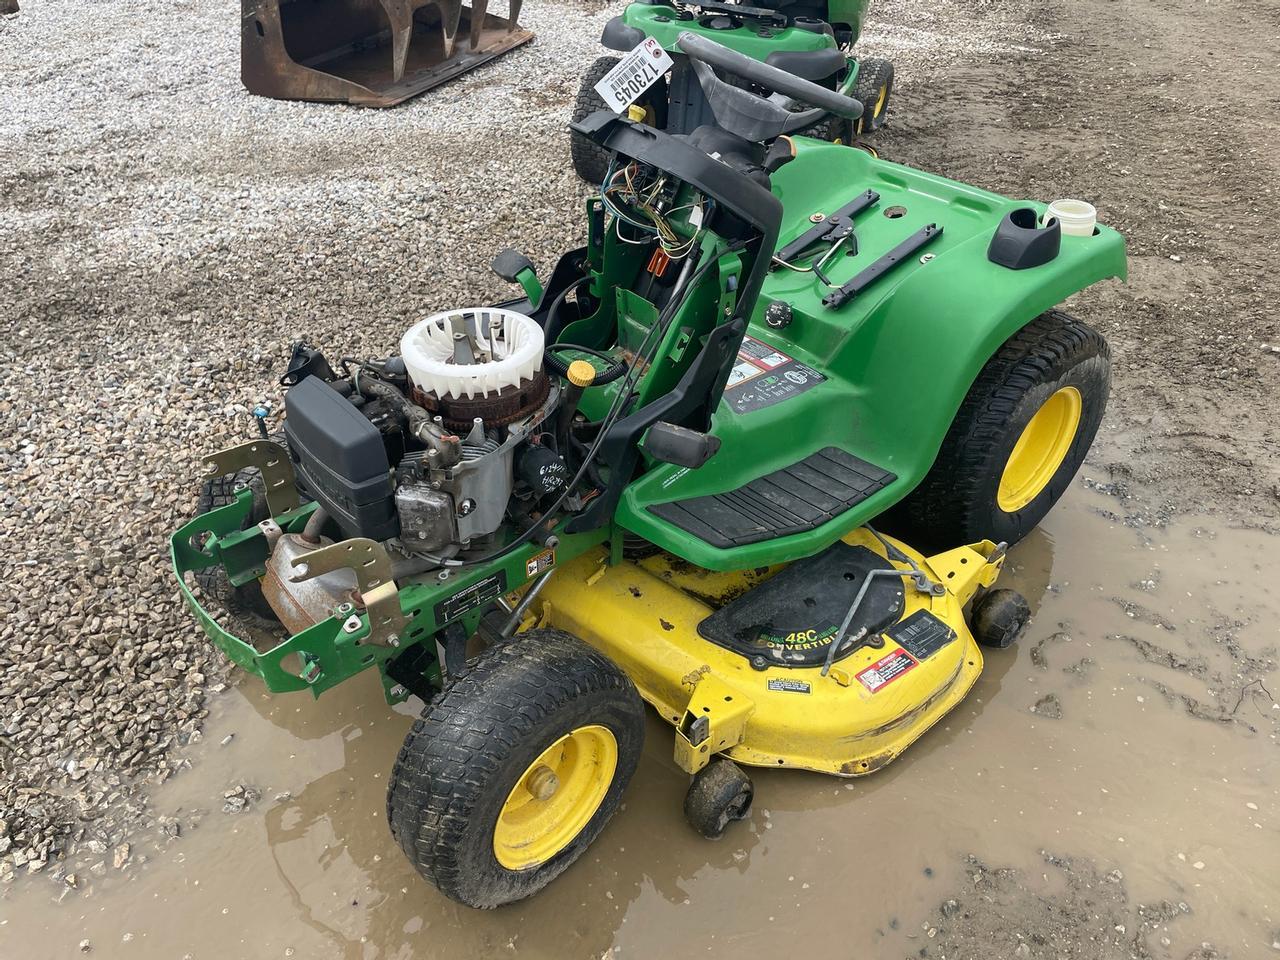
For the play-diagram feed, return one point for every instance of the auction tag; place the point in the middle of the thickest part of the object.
(637, 72)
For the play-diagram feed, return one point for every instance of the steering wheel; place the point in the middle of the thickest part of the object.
(752, 117)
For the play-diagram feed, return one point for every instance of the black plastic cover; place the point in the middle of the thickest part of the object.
(1020, 243)
(792, 619)
(619, 35)
(340, 460)
(808, 64)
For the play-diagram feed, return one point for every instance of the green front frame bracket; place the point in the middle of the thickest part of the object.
(344, 644)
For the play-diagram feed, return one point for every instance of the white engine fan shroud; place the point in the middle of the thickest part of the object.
(508, 348)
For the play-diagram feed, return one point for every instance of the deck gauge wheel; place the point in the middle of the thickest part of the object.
(999, 617)
(720, 793)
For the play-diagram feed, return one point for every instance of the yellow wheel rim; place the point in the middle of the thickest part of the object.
(1040, 450)
(884, 95)
(555, 797)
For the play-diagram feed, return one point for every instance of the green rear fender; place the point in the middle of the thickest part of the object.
(896, 377)
(847, 13)
(916, 354)
(664, 25)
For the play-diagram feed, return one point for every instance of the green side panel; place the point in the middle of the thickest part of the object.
(664, 25)
(897, 360)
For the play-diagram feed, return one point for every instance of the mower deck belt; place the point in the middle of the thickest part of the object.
(838, 298)
(796, 498)
(791, 620)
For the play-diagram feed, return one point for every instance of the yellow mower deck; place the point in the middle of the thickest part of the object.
(869, 708)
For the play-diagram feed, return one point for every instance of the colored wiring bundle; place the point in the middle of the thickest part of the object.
(640, 206)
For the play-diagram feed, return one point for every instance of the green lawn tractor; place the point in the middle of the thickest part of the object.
(752, 455)
(814, 39)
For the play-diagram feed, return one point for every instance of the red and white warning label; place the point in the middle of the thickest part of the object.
(754, 358)
(764, 376)
(886, 670)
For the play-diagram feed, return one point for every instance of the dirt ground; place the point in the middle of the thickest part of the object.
(1110, 789)
(1165, 115)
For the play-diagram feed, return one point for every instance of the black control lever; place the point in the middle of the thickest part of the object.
(680, 445)
(748, 13)
(837, 226)
(898, 255)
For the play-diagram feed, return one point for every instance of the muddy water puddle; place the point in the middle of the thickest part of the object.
(1150, 756)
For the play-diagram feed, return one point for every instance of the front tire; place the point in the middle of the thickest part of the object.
(1017, 440)
(515, 768)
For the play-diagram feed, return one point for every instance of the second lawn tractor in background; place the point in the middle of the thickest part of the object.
(813, 39)
(651, 479)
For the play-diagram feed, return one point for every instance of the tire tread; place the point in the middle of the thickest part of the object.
(469, 730)
(941, 510)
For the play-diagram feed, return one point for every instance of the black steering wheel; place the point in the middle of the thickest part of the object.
(752, 117)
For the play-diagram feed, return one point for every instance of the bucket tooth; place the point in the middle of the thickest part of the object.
(400, 14)
(450, 17)
(479, 11)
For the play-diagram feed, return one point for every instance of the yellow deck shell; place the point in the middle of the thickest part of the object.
(644, 616)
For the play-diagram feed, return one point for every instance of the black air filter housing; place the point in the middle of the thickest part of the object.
(340, 460)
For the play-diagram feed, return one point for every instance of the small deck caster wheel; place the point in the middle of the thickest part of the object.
(720, 793)
(999, 618)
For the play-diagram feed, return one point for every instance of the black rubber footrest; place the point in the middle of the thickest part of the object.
(794, 499)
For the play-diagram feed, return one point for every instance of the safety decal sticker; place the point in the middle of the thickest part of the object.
(787, 685)
(468, 598)
(921, 634)
(764, 376)
(540, 563)
(886, 670)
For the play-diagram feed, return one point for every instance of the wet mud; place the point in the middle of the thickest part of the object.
(1136, 816)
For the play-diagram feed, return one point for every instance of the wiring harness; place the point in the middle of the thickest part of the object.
(641, 202)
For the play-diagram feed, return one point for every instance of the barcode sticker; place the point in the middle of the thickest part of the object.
(635, 73)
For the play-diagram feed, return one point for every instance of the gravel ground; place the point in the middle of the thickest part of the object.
(164, 237)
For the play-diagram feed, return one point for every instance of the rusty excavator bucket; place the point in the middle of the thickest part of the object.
(372, 52)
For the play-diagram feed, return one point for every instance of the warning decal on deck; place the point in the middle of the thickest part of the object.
(764, 376)
(921, 634)
(885, 670)
(789, 685)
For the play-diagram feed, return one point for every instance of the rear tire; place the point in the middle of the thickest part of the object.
(873, 89)
(970, 492)
(541, 720)
(590, 160)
